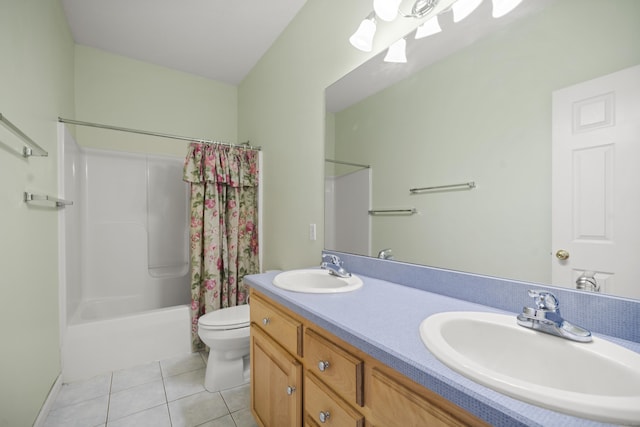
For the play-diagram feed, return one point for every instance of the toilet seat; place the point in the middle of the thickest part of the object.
(226, 318)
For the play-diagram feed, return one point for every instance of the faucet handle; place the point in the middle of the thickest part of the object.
(333, 259)
(544, 300)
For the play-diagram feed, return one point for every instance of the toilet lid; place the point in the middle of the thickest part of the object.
(226, 318)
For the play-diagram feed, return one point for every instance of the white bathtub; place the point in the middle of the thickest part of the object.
(97, 347)
(124, 276)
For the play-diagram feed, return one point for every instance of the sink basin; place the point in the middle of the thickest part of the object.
(598, 380)
(316, 281)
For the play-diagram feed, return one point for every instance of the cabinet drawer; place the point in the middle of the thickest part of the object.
(393, 404)
(325, 408)
(339, 369)
(281, 327)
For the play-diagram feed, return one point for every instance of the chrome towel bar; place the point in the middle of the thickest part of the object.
(30, 148)
(468, 185)
(31, 197)
(410, 211)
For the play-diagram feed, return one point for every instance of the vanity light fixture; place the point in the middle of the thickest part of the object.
(431, 27)
(362, 39)
(421, 8)
(387, 10)
(397, 52)
(502, 7)
(463, 8)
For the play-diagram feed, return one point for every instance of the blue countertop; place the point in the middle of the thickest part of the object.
(382, 319)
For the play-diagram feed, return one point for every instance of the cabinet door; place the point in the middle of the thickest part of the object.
(276, 380)
(393, 405)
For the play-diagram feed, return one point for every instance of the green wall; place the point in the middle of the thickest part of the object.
(282, 109)
(44, 75)
(118, 91)
(36, 85)
(483, 114)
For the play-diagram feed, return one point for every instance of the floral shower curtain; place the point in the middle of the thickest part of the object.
(223, 232)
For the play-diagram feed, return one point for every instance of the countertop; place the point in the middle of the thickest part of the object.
(382, 319)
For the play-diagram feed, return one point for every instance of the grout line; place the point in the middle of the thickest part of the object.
(166, 398)
(106, 418)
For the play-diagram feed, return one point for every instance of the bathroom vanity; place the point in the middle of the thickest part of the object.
(302, 374)
(356, 358)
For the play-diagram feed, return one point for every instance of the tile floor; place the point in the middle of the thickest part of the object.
(167, 393)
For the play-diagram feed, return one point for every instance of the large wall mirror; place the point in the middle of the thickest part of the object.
(472, 104)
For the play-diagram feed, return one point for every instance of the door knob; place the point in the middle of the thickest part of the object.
(562, 255)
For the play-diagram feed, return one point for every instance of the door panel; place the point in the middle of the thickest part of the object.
(595, 196)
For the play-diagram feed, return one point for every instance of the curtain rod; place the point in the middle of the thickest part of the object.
(347, 163)
(162, 135)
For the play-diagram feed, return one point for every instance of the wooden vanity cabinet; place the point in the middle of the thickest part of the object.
(302, 375)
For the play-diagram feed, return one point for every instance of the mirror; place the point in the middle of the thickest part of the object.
(476, 108)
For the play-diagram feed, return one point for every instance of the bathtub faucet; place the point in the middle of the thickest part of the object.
(334, 265)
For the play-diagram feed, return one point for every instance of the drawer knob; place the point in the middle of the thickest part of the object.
(324, 416)
(323, 365)
(266, 321)
(290, 390)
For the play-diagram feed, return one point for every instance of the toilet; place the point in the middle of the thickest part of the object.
(226, 332)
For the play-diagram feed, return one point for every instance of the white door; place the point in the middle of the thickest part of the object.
(596, 182)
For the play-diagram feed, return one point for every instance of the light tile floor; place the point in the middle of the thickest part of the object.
(167, 393)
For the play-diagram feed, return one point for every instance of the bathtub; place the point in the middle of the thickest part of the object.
(94, 347)
(123, 255)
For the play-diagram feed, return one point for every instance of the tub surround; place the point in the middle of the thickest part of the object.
(383, 317)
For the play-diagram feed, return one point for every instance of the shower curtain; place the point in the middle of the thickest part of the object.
(223, 232)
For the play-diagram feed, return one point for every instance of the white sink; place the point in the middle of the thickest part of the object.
(598, 380)
(316, 281)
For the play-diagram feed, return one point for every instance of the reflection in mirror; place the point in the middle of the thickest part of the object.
(483, 113)
(347, 200)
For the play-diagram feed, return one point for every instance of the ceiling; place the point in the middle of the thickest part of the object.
(218, 39)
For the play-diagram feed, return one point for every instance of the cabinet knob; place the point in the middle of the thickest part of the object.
(290, 390)
(265, 321)
(324, 416)
(323, 365)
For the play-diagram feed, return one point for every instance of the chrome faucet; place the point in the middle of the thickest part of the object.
(546, 318)
(334, 265)
(587, 282)
(385, 254)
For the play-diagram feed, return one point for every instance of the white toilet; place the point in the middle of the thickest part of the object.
(226, 332)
